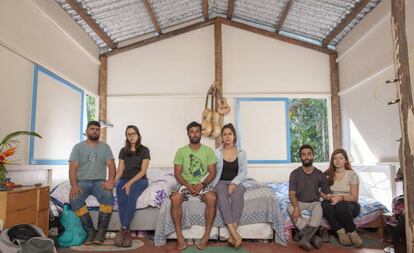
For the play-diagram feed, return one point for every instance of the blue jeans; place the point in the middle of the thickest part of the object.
(127, 203)
(91, 187)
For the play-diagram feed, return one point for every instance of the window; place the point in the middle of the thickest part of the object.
(90, 108)
(309, 125)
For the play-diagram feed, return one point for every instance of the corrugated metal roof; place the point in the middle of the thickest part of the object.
(308, 20)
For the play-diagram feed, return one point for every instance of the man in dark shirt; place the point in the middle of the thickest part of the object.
(305, 183)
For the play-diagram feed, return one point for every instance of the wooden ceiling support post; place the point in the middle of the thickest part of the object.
(401, 63)
(218, 63)
(91, 23)
(348, 19)
(283, 17)
(152, 16)
(205, 9)
(335, 102)
(102, 91)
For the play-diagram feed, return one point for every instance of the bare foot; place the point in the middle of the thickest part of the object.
(203, 243)
(181, 243)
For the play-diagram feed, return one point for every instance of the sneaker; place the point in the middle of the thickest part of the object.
(343, 237)
(356, 240)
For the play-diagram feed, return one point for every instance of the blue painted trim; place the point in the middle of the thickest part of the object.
(287, 104)
(37, 69)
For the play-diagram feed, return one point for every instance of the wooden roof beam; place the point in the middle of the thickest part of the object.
(152, 15)
(275, 35)
(230, 9)
(284, 15)
(91, 22)
(338, 29)
(160, 37)
(205, 9)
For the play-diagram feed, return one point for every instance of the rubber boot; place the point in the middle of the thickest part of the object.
(298, 235)
(90, 229)
(305, 241)
(317, 242)
(103, 222)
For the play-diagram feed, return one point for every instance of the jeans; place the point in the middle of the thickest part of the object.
(94, 188)
(341, 215)
(127, 203)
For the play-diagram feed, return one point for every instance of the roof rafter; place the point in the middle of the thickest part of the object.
(357, 9)
(160, 37)
(230, 9)
(284, 15)
(205, 9)
(275, 36)
(91, 22)
(152, 15)
(222, 21)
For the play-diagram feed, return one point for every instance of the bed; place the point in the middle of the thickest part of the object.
(261, 217)
(369, 217)
(161, 180)
(261, 212)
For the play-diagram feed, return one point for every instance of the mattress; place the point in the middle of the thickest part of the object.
(144, 219)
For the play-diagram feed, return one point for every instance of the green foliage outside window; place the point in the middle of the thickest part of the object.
(309, 125)
(90, 108)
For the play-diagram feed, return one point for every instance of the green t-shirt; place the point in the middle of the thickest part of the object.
(195, 163)
(92, 160)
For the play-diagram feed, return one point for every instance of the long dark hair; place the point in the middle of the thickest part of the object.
(330, 172)
(232, 129)
(127, 147)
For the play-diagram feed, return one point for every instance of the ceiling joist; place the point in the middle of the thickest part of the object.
(338, 29)
(92, 24)
(152, 15)
(230, 9)
(284, 15)
(205, 9)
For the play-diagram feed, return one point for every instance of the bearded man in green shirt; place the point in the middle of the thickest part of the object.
(194, 169)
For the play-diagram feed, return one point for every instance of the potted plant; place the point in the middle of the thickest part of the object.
(8, 147)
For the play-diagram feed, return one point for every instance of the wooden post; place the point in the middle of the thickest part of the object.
(218, 56)
(102, 91)
(335, 103)
(403, 86)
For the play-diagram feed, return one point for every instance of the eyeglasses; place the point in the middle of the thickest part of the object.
(131, 134)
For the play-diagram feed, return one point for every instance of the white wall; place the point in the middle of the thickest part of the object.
(38, 32)
(370, 126)
(169, 80)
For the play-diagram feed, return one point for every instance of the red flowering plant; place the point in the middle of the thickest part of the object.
(8, 147)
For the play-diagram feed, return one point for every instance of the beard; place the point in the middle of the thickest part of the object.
(93, 137)
(307, 163)
(195, 140)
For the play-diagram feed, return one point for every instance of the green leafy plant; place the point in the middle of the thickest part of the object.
(8, 147)
(309, 125)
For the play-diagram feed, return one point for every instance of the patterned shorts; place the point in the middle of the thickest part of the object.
(186, 194)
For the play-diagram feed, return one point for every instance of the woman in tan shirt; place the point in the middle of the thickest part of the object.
(340, 207)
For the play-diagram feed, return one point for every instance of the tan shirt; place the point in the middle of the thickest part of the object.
(343, 186)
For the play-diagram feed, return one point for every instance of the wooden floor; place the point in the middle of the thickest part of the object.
(252, 247)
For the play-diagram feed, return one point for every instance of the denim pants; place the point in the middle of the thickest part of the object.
(127, 203)
(94, 188)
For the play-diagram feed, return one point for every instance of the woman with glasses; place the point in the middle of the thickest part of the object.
(131, 181)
